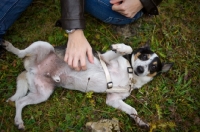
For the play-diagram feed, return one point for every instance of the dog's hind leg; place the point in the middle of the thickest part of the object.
(9, 47)
(32, 98)
(22, 87)
(38, 49)
(115, 100)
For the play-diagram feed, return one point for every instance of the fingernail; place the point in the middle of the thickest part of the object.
(77, 69)
(84, 68)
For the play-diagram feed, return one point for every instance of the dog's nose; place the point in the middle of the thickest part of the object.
(140, 69)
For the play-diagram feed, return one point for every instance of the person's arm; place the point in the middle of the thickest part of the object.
(78, 48)
(72, 14)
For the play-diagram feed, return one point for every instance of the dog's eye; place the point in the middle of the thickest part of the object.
(144, 57)
(153, 68)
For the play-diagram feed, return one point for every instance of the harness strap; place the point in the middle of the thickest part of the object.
(108, 78)
(110, 87)
(130, 75)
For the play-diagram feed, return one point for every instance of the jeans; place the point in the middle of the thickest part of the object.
(10, 10)
(102, 9)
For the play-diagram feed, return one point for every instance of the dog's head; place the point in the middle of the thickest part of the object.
(147, 63)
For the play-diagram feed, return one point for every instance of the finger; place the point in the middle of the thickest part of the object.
(66, 58)
(75, 64)
(115, 1)
(117, 8)
(83, 63)
(69, 62)
(77, 69)
(90, 56)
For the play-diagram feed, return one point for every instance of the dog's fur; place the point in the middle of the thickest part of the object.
(45, 70)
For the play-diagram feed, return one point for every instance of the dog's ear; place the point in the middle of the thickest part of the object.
(166, 67)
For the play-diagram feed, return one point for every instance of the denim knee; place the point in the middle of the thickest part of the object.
(10, 10)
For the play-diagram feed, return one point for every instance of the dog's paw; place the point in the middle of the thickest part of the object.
(21, 126)
(145, 126)
(6, 45)
(2, 43)
(19, 123)
(121, 49)
(12, 99)
(8, 100)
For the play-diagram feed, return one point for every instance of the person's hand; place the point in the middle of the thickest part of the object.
(128, 8)
(77, 49)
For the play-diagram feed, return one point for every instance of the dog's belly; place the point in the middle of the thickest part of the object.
(94, 79)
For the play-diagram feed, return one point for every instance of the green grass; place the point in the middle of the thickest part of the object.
(169, 103)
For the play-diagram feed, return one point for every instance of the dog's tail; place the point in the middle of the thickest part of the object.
(22, 87)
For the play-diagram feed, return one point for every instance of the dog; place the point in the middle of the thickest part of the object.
(116, 72)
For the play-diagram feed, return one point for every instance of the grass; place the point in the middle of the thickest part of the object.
(169, 103)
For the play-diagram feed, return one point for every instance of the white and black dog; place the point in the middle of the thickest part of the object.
(44, 70)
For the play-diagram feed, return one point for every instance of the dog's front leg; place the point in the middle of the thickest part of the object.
(115, 100)
(116, 51)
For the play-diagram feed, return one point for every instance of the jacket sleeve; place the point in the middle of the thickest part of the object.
(72, 14)
(150, 6)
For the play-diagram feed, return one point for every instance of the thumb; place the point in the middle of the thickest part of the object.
(116, 7)
(115, 1)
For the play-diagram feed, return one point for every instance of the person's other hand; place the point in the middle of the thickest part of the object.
(128, 8)
(77, 49)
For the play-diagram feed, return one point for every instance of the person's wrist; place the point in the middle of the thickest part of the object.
(70, 31)
(76, 33)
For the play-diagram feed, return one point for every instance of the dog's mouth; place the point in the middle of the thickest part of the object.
(136, 73)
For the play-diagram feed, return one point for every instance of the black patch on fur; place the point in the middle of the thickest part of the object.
(95, 54)
(144, 53)
(155, 66)
(128, 57)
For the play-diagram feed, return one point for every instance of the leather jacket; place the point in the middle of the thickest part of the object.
(72, 12)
